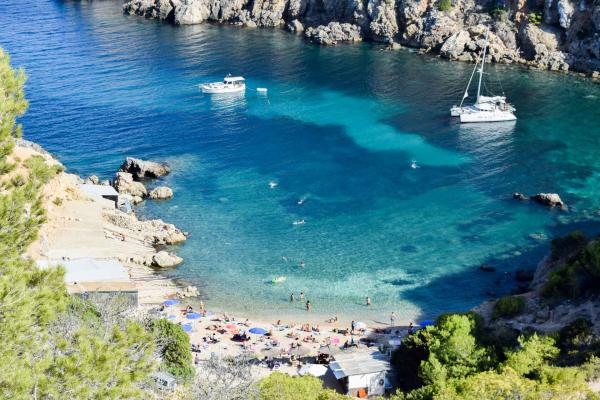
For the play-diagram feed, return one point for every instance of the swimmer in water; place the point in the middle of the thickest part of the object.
(414, 165)
(299, 222)
(301, 265)
(301, 201)
(272, 185)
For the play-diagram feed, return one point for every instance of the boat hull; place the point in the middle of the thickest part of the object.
(487, 116)
(222, 89)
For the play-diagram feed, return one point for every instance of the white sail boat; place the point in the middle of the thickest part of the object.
(485, 108)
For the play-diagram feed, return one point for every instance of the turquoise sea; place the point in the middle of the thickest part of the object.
(339, 128)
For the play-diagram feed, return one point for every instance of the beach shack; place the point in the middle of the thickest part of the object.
(361, 373)
(100, 192)
(103, 277)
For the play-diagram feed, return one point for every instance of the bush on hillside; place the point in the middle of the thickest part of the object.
(568, 245)
(175, 348)
(445, 5)
(508, 306)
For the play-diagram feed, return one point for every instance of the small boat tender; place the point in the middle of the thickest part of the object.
(230, 84)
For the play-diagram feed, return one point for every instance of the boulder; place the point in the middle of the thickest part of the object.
(519, 196)
(141, 169)
(538, 40)
(188, 291)
(164, 259)
(295, 26)
(92, 179)
(105, 182)
(191, 12)
(161, 193)
(455, 44)
(565, 13)
(549, 199)
(333, 33)
(382, 14)
(123, 183)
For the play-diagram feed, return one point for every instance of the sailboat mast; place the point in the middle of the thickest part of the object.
(482, 65)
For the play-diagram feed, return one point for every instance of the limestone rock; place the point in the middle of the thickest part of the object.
(455, 45)
(383, 24)
(105, 182)
(161, 193)
(519, 196)
(295, 26)
(565, 13)
(123, 183)
(334, 32)
(154, 232)
(538, 40)
(92, 179)
(188, 291)
(165, 259)
(549, 199)
(141, 169)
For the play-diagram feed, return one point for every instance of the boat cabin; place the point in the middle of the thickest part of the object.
(233, 80)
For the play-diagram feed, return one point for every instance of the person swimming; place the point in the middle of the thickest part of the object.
(301, 201)
(299, 222)
(301, 265)
(414, 164)
(273, 184)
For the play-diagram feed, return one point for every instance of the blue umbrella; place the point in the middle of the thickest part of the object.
(425, 323)
(171, 302)
(193, 315)
(186, 327)
(258, 331)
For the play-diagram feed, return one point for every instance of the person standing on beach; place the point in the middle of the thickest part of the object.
(392, 318)
(291, 297)
(301, 296)
(368, 301)
(308, 305)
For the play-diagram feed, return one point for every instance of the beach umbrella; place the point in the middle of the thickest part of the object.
(186, 327)
(328, 350)
(171, 317)
(171, 302)
(313, 369)
(257, 331)
(193, 315)
(231, 327)
(335, 340)
(425, 323)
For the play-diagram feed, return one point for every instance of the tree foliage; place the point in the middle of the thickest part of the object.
(508, 306)
(284, 387)
(175, 348)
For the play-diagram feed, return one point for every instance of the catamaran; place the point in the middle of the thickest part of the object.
(230, 84)
(485, 108)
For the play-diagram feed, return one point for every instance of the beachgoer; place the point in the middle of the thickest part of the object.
(301, 296)
(308, 305)
(301, 265)
(410, 328)
(189, 309)
(352, 326)
(291, 297)
(278, 322)
(392, 318)
(201, 306)
(368, 301)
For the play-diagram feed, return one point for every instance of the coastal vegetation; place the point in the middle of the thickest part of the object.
(54, 345)
(508, 306)
(458, 358)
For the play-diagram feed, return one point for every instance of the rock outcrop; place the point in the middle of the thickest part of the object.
(154, 232)
(123, 183)
(141, 169)
(333, 33)
(549, 199)
(164, 259)
(568, 38)
(160, 193)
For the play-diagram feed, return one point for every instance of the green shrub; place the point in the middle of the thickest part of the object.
(445, 5)
(508, 306)
(176, 348)
(535, 18)
(568, 245)
(282, 386)
(499, 14)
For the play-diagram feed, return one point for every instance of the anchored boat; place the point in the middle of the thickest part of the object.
(230, 84)
(485, 108)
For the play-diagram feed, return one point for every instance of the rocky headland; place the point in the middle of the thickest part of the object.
(559, 35)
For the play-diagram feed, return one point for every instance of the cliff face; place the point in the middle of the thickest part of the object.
(551, 34)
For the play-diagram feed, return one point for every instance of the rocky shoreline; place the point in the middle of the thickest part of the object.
(558, 35)
(83, 226)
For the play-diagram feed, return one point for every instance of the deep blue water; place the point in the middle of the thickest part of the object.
(339, 127)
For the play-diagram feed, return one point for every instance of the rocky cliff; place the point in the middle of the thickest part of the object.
(551, 34)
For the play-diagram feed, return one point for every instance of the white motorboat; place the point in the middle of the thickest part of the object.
(485, 108)
(230, 84)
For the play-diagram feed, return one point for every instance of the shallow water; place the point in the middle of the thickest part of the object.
(339, 127)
